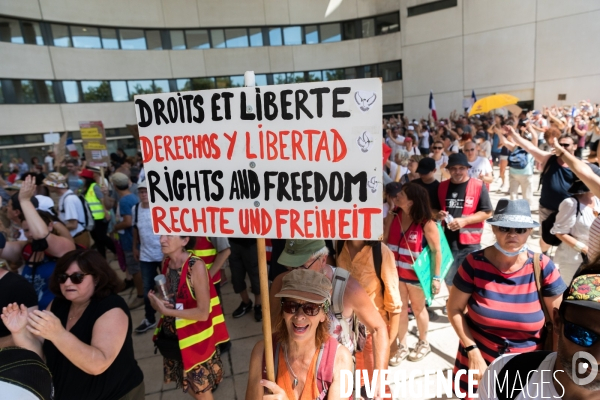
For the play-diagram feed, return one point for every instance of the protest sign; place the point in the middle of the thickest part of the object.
(283, 161)
(93, 139)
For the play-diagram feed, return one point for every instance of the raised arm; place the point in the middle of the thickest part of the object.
(581, 169)
(539, 155)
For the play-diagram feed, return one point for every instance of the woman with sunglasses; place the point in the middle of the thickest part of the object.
(441, 160)
(307, 360)
(85, 335)
(47, 241)
(407, 231)
(191, 357)
(493, 304)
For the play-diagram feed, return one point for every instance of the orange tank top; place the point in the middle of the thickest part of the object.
(284, 379)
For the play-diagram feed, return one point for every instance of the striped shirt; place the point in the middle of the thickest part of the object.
(504, 312)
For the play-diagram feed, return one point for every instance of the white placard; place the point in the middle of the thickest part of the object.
(281, 161)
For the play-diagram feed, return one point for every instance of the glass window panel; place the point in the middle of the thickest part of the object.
(24, 91)
(261, 80)
(197, 39)
(153, 40)
(1, 94)
(32, 34)
(330, 33)
(279, 79)
(368, 27)
(10, 31)
(256, 38)
(292, 35)
(45, 91)
(161, 86)
(85, 37)
(132, 39)
(349, 28)
(95, 91)
(184, 85)
(333, 74)
(311, 34)
(71, 90)
(350, 73)
(315, 76)
(203, 83)
(60, 34)
(390, 71)
(387, 24)
(218, 38)
(236, 37)
(295, 77)
(223, 82)
(370, 71)
(275, 37)
(109, 38)
(139, 87)
(119, 90)
(177, 40)
(238, 81)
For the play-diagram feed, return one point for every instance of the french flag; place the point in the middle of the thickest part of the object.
(432, 106)
(72, 149)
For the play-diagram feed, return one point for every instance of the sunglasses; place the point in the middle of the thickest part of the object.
(579, 335)
(291, 307)
(518, 231)
(76, 278)
(565, 145)
(437, 148)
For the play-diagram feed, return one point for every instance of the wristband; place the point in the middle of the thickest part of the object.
(437, 278)
(468, 349)
(579, 246)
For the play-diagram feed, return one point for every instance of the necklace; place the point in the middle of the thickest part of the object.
(285, 356)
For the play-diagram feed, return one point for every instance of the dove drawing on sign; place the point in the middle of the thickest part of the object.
(364, 100)
(372, 184)
(365, 141)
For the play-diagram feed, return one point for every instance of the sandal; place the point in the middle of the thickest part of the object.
(399, 356)
(420, 351)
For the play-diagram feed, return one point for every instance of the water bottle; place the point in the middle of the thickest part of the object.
(161, 284)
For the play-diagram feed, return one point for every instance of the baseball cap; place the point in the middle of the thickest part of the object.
(458, 159)
(426, 165)
(536, 112)
(119, 179)
(45, 203)
(142, 184)
(307, 285)
(86, 173)
(298, 251)
(584, 291)
(57, 180)
(393, 188)
(411, 128)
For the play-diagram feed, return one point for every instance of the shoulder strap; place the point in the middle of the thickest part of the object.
(377, 260)
(521, 364)
(135, 214)
(339, 281)
(537, 270)
(325, 365)
(577, 210)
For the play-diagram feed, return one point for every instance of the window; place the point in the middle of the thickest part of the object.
(218, 38)
(387, 24)
(256, 38)
(139, 87)
(292, 35)
(45, 91)
(24, 91)
(60, 34)
(85, 37)
(203, 83)
(333, 74)
(161, 86)
(197, 39)
(275, 37)
(71, 90)
(109, 38)
(260, 80)
(223, 82)
(330, 33)
(311, 34)
(119, 91)
(2, 101)
(431, 7)
(315, 76)
(279, 79)
(238, 81)
(349, 29)
(153, 40)
(132, 39)
(390, 71)
(95, 91)
(183, 85)
(10, 31)
(32, 34)
(368, 27)
(236, 37)
(370, 71)
(350, 73)
(295, 77)
(177, 40)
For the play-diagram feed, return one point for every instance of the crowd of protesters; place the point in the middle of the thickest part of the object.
(59, 295)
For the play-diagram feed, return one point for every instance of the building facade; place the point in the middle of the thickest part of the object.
(64, 61)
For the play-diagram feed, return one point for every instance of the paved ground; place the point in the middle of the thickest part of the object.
(245, 332)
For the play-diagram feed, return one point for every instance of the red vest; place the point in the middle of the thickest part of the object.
(469, 234)
(205, 250)
(197, 339)
(406, 248)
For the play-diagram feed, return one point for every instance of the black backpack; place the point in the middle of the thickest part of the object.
(548, 224)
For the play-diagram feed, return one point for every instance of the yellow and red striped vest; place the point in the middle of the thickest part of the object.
(205, 250)
(197, 339)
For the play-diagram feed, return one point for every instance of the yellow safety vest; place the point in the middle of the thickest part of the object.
(94, 203)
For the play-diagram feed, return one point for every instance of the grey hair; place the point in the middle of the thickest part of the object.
(323, 252)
